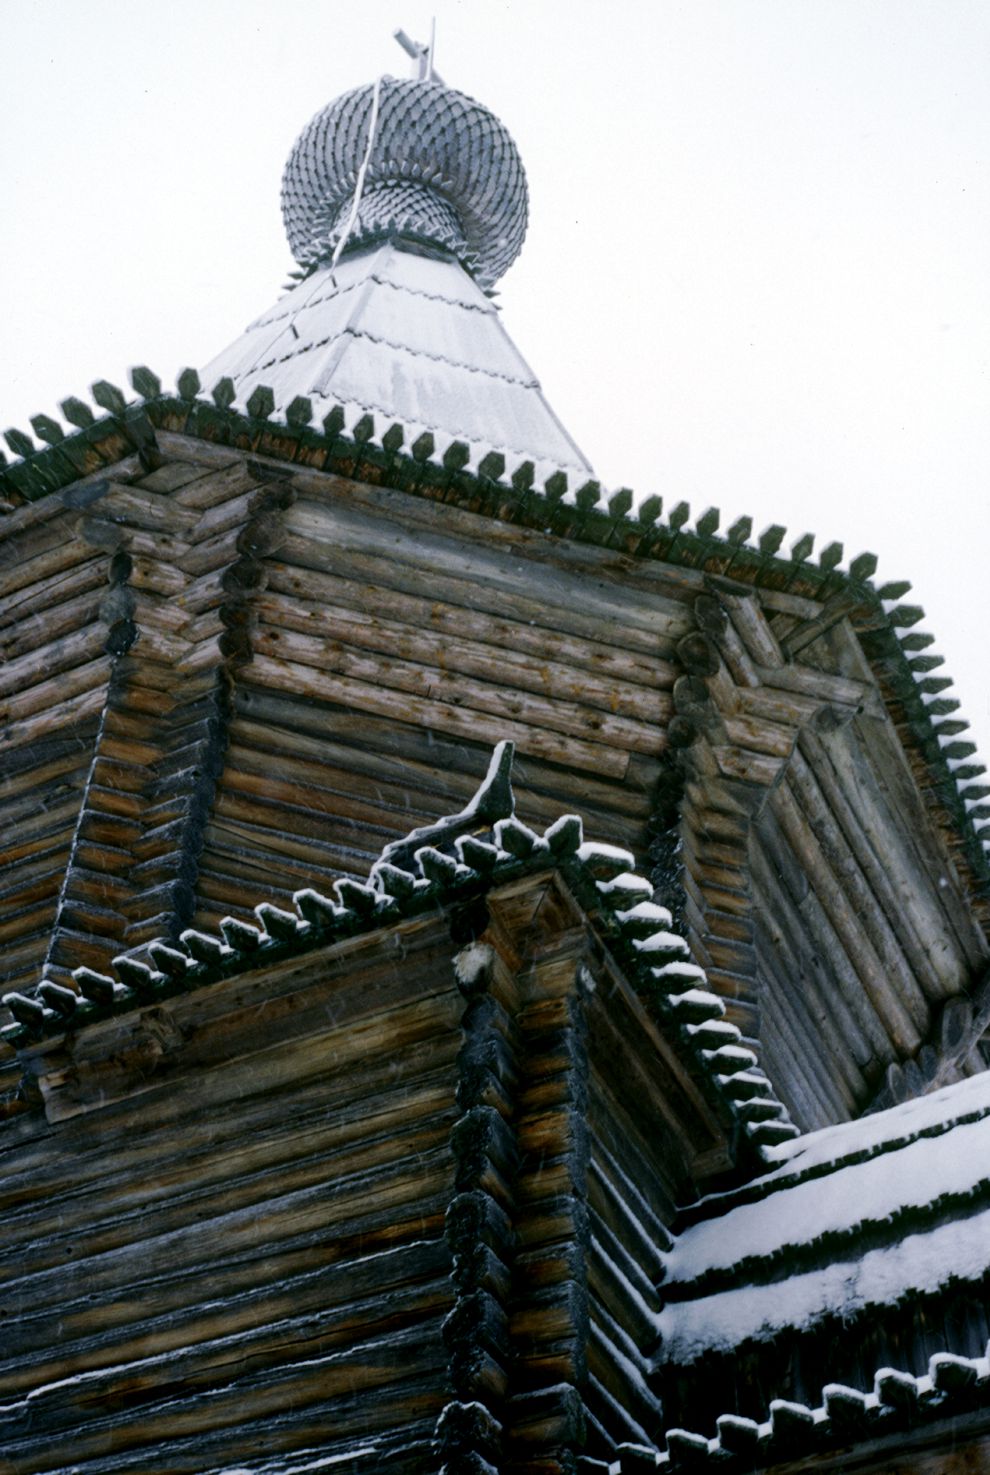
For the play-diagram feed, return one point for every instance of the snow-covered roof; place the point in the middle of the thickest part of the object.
(404, 337)
(858, 1216)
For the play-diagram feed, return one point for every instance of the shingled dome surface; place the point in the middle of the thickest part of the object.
(441, 167)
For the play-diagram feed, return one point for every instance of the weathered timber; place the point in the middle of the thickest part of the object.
(289, 676)
(546, 674)
(914, 863)
(381, 602)
(917, 922)
(899, 1003)
(821, 985)
(495, 694)
(506, 598)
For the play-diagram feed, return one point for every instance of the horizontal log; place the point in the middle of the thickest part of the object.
(570, 612)
(488, 658)
(142, 507)
(449, 533)
(199, 1128)
(322, 1383)
(273, 722)
(487, 727)
(115, 1224)
(29, 580)
(839, 691)
(375, 599)
(157, 577)
(59, 621)
(499, 694)
(37, 595)
(218, 486)
(86, 702)
(757, 735)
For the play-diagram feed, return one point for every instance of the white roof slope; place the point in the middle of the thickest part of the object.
(412, 340)
(865, 1214)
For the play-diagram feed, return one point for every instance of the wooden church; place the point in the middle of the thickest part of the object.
(494, 974)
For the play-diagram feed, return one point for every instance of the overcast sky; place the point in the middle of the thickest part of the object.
(756, 272)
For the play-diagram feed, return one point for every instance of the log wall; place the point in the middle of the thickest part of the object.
(53, 682)
(231, 677)
(238, 1257)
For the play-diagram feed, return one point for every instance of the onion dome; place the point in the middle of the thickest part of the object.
(403, 216)
(442, 171)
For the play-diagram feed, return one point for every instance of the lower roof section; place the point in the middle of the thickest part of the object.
(840, 1298)
(858, 1217)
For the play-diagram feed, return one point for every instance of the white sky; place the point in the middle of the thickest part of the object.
(756, 274)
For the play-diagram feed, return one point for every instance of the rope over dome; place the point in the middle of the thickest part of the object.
(443, 170)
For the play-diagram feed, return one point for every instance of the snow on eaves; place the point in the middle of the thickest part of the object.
(918, 1264)
(951, 1165)
(787, 1251)
(884, 1129)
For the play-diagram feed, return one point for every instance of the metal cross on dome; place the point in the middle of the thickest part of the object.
(422, 55)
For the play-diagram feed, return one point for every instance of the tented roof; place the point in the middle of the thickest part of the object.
(410, 339)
